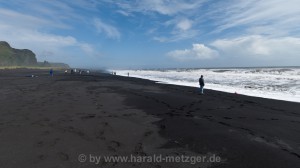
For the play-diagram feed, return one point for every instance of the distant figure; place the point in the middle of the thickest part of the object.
(201, 83)
(128, 74)
(72, 71)
(66, 71)
(51, 72)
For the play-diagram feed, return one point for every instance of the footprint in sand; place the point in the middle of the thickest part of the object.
(113, 116)
(89, 116)
(162, 126)
(42, 157)
(98, 107)
(105, 123)
(77, 132)
(250, 102)
(189, 115)
(139, 149)
(40, 143)
(148, 133)
(224, 123)
(99, 134)
(191, 105)
(54, 142)
(114, 145)
(129, 114)
(63, 156)
(45, 133)
(242, 117)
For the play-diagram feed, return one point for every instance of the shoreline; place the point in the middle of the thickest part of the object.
(49, 121)
(228, 90)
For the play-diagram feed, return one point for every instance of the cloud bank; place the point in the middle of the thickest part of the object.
(256, 47)
(197, 52)
(259, 47)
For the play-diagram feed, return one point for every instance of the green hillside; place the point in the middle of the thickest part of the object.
(16, 57)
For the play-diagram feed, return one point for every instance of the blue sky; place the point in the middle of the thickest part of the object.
(155, 33)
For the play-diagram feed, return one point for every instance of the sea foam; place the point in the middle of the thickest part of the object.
(274, 83)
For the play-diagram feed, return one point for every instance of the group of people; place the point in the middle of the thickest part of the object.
(72, 71)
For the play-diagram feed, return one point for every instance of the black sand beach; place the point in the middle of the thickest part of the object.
(48, 122)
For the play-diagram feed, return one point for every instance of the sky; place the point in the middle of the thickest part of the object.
(155, 33)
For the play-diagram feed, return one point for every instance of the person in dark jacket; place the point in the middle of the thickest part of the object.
(51, 72)
(201, 83)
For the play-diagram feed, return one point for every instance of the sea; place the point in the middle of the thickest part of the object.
(281, 83)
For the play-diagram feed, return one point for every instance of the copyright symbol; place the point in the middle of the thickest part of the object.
(82, 158)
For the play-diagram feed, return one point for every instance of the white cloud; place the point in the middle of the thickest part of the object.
(164, 7)
(56, 13)
(184, 24)
(176, 35)
(198, 52)
(258, 16)
(181, 29)
(168, 8)
(109, 30)
(259, 47)
(9, 17)
(124, 13)
(271, 50)
(181, 24)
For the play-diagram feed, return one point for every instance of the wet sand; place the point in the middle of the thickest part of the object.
(50, 121)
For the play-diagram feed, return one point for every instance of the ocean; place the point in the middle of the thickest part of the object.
(282, 83)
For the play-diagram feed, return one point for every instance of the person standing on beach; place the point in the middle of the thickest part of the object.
(51, 72)
(201, 83)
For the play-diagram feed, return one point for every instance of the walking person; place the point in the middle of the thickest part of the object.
(51, 72)
(201, 83)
